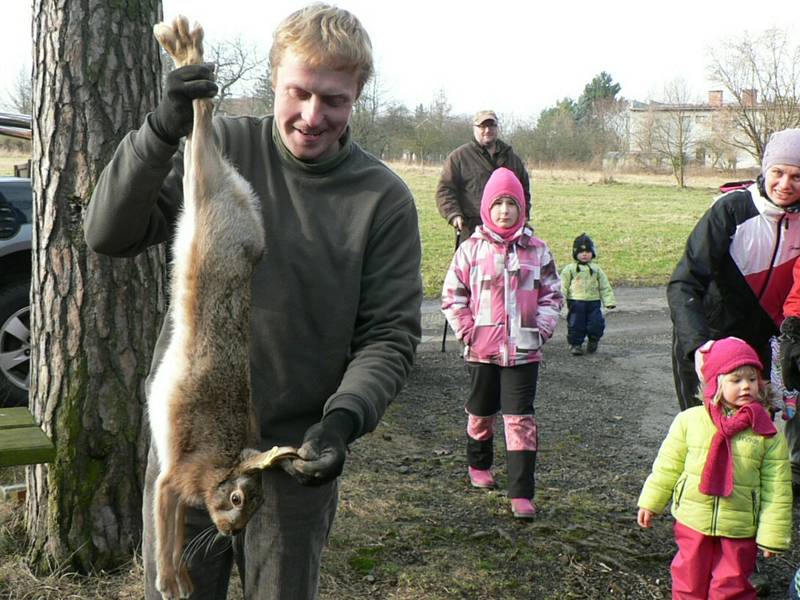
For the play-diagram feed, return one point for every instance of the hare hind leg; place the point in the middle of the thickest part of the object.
(181, 569)
(185, 46)
(166, 510)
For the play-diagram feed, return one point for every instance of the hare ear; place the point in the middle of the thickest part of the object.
(263, 460)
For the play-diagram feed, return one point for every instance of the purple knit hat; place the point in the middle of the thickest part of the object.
(724, 356)
(503, 182)
(783, 148)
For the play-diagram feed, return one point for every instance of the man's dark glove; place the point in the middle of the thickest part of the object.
(173, 116)
(789, 350)
(324, 449)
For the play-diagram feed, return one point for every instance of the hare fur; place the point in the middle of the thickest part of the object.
(201, 415)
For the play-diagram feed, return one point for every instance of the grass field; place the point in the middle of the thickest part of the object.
(639, 223)
(639, 228)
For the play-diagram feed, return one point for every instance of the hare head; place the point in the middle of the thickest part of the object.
(233, 502)
(238, 496)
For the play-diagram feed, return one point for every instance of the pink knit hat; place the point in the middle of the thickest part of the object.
(724, 356)
(503, 182)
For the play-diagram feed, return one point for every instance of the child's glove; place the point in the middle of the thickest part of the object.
(789, 351)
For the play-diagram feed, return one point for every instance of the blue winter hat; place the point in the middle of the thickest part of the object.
(783, 148)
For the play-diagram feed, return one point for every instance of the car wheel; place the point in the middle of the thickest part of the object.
(15, 346)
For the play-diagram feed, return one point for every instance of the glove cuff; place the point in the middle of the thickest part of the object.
(158, 129)
(341, 423)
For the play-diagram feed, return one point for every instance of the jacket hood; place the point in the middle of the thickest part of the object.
(503, 183)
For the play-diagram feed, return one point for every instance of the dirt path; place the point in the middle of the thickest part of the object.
(410, 526)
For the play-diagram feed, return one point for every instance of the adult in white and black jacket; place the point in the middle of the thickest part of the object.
(736, 270)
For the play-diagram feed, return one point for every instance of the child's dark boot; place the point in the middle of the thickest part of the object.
(591, 345)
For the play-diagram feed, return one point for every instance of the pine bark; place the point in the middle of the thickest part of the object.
(94, 320)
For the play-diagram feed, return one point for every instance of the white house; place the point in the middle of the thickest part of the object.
(656, 130)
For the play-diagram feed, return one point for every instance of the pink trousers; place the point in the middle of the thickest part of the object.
(712, 568)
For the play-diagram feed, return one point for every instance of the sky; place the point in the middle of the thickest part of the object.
(516, 57)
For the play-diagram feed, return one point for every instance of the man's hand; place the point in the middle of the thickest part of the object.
(324, 450)
(458, 223)
(173, 116)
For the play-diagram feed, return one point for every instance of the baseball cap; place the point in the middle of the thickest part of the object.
(484, 115)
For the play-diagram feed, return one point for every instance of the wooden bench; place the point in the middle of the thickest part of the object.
(22, 441)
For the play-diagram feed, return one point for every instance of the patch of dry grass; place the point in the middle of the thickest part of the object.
(638, 223)
(9, 159)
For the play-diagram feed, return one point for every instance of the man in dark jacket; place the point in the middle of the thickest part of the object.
(467, 169)
(335, 300)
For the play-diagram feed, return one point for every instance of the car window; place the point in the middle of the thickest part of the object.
(19, 195)
(10, 219)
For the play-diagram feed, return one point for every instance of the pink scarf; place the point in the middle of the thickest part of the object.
(717, 478)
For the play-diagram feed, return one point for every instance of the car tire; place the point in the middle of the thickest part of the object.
(15, 326)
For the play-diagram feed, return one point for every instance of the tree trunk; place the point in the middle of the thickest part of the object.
(94, 320)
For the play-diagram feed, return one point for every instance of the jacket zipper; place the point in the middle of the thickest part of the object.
(679, 495)
(755, 506)
(506, 306)
(774, 254)
(714, 515)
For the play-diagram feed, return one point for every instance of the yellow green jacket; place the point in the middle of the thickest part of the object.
(586, 282)
(761, 503)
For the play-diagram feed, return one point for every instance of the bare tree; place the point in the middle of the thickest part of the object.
(367, 111)
(667, 129)
(237, 65)
(263, 94)
(94, 320)
(716, 142)
(397, 123)
(762, 75)
(20, 97)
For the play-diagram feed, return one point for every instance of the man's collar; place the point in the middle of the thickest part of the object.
(313, 166)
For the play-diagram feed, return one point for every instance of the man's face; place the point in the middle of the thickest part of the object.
(485, 133)
(312, 106)
(782, 183)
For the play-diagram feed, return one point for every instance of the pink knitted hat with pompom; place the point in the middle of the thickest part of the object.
(503, 182)
(724, 356)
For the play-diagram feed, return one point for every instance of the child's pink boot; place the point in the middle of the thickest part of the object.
(481, 478)
(523, 508)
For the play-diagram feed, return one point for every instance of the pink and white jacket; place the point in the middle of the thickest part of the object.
(502, 299)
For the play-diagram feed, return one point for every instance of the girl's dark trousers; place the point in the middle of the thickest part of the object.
(512, 391)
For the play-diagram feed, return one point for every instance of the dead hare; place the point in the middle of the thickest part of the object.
(201, 414)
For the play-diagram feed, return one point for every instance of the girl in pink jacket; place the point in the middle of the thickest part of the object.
(502, 298)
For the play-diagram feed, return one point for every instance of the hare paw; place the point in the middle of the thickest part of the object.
(184, 45)
(184, 582)
(174, 586)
